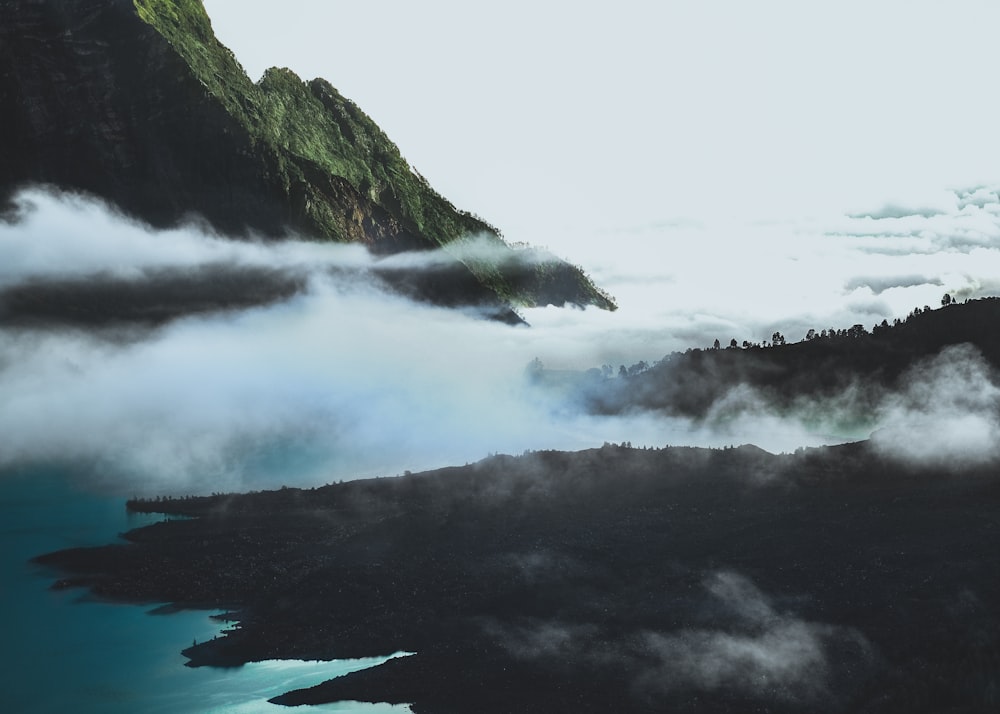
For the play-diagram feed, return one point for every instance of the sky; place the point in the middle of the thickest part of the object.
(725, 172)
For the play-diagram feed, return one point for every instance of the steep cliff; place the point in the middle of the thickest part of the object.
(138, 103)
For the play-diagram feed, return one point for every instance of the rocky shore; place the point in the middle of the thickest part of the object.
(614, 579)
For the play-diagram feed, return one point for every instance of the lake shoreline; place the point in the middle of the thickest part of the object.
(553, 581)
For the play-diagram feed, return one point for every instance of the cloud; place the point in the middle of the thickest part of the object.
(180, 361)
(480, 247)
(879, 284)
(979, 196)
(177, 361)
(743, 645)
(967, 220)
(347, 382)
(543, 639)
(946, 414)
(762, 652)
(892, 210)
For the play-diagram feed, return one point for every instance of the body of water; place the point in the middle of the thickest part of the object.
(63, 651)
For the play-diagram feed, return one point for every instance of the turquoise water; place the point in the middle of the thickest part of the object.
(63, 652)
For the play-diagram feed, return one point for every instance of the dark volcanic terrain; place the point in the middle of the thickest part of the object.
(615, 579)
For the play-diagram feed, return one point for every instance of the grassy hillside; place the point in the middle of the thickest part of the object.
(318, 138)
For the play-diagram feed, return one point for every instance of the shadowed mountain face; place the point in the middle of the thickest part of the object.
(137, 103)
(155, 296)
(841, 374)
(158, 297)
(614, 579)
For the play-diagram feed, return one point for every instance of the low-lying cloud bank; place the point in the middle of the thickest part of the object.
(325, 375)
(330, 376)
(746, 646)
(947, 414)
(686, 282)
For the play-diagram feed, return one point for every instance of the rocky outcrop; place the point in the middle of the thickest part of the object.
(139, 104)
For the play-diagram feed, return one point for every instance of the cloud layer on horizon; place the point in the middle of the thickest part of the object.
(341, 379)
(683, 284)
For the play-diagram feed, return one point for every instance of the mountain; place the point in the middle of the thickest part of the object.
(139, 104)
(845, 372)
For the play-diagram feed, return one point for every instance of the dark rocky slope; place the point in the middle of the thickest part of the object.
(139, 104)
(614, 579)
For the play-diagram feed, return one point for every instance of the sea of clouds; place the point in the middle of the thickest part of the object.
(336, 377)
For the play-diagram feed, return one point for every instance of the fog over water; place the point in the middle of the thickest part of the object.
(341, 378)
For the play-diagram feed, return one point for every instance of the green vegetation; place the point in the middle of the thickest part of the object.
(318, 140)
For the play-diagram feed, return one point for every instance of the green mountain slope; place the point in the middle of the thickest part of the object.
(139, 104)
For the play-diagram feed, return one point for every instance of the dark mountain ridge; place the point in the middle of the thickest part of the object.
(868, 364)
(138, 103)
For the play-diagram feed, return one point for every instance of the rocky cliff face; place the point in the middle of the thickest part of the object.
(138, 103)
